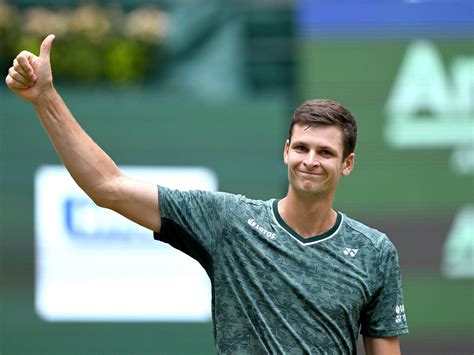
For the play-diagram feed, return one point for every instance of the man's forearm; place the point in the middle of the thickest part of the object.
(382, 346)
(91, 168)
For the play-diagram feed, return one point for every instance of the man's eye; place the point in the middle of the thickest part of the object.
(300, 148)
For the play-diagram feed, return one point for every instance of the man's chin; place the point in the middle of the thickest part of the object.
(308, 188)
(311, 190)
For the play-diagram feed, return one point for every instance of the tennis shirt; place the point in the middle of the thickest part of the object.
(275, 292)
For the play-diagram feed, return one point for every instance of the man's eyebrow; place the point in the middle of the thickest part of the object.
(297, 141)
(319, 147)
(327, 147)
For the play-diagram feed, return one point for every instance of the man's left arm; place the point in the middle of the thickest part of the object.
(382, 346)
(383, 318)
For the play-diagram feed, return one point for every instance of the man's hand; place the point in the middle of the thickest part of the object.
(30, 76)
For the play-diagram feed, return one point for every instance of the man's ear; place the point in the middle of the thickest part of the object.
(285, 151)
(348, 164)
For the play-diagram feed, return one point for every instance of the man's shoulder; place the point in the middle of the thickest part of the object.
(220, 198)
(237, 198)
(357, 229)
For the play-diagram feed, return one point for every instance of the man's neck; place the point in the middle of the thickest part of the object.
(307, 215)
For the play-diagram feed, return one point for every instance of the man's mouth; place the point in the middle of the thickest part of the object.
(310, 173)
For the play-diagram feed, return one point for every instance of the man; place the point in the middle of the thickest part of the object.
(288, 276)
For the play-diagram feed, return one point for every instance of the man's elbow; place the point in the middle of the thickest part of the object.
(107, 195)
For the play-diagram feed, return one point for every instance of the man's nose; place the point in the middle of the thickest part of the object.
(311, 160)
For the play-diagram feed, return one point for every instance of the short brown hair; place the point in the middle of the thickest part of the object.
(328, 112)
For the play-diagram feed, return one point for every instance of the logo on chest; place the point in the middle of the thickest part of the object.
(351, 252)
(252, 223)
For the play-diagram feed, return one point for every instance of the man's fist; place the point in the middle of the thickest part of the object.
(30, 75)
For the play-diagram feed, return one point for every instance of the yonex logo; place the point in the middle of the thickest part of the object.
(260, 229)
(350, 252)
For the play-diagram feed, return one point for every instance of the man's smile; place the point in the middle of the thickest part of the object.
(308, 173)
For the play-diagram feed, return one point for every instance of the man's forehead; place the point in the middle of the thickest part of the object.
(305, 128)
(327, 135)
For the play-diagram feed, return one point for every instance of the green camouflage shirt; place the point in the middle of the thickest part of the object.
(274, 291)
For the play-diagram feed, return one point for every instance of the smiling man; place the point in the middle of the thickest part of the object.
(288, 276)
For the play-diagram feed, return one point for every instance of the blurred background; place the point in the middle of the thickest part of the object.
(213, 84)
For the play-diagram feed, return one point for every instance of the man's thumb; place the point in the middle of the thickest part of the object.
(46, 47)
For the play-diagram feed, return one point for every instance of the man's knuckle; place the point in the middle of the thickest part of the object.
(22, 58)
(15, 76)
(9, 80)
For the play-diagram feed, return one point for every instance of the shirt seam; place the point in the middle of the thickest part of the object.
(391, 330)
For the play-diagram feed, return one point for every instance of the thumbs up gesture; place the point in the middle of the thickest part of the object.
(30, 76)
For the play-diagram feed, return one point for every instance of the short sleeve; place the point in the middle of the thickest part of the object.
(193, 221)
(384, 315)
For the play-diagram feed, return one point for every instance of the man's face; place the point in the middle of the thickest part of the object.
(314, 159)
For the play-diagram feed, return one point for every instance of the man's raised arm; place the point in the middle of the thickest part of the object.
(30, 78)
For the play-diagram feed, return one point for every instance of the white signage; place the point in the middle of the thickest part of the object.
(94, 265)
(431, 107)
